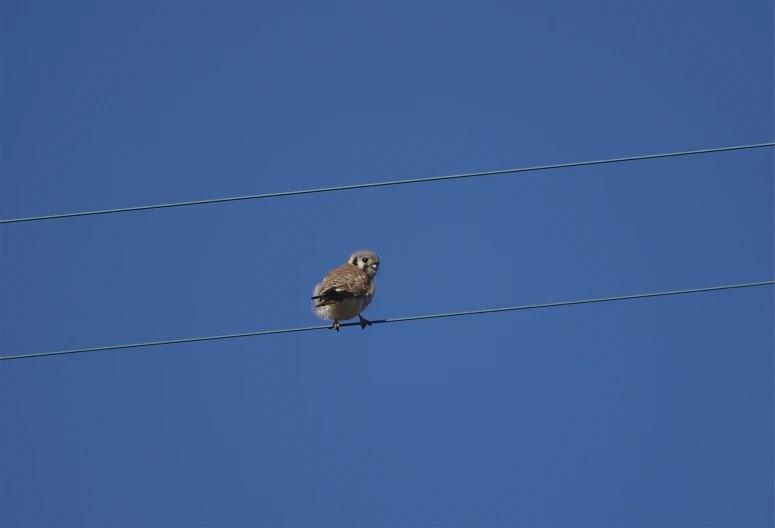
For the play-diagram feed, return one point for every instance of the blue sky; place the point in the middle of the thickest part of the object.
(651, 413)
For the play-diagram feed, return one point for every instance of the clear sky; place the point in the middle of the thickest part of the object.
(647, 413)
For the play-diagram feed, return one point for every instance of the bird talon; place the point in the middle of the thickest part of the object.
(364, 323)
(334, 326)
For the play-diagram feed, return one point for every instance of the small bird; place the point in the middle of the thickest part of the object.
(346, 291)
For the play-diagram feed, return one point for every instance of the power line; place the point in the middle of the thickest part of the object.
(385, 184)
(395, 320)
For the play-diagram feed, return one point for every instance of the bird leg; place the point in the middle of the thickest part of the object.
(364, 323)
(334, 326)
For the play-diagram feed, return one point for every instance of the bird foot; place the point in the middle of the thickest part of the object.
(364, 323)
(334, 326)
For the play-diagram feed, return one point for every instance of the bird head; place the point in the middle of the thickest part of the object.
(368, 261)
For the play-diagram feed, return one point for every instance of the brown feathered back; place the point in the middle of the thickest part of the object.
(347, 279)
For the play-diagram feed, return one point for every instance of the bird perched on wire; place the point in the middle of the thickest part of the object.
(346, 291)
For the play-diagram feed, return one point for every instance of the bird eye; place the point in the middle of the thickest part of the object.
(365, 259)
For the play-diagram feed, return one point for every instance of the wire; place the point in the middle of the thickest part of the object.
(385, 184)
(395, 320)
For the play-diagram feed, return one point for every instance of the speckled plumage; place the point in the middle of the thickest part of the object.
(346, 291)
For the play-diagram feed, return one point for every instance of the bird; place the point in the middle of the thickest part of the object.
(346, 291)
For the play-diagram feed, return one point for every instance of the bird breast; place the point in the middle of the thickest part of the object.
(342, 311)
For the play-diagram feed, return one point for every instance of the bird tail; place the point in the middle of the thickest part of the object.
(329, 296)
(317, 295)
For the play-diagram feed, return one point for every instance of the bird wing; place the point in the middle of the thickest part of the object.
(342, 283)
